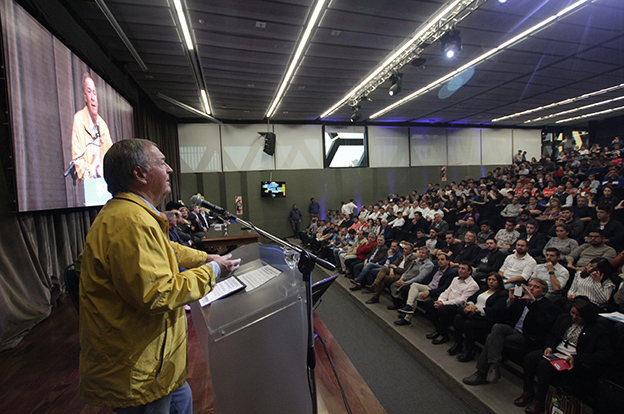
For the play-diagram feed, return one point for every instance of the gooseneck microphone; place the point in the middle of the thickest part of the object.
(197, 200)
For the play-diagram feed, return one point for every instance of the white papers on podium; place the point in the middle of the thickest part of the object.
(614, 316)
(222, 289)
(256, 273)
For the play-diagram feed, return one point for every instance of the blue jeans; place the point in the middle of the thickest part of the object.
(179, 401)
(368, 274)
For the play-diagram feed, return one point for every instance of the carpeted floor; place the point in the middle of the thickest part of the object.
(398, 381)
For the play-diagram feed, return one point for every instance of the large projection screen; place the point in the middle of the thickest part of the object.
(45, 81)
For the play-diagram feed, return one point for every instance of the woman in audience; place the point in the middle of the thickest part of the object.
(552, 212)
(569, 188)
(534, 207)
(562, 242)
(607, 198)
(581, 342)
(376, 228)
(595, 283)
(471, 211)
(474, 322)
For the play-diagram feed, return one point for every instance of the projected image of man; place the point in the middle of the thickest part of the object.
(90, 136)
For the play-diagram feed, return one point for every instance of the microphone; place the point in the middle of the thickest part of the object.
(197, 200)
(71, 169)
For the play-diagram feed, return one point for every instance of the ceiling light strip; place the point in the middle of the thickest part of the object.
(564, 102)
(192, 55)
(422, 35)
(570, 111)
(204, 97)
(295, 60)
(511, 42)
(186, 107)
(590, 115)
(183, 24)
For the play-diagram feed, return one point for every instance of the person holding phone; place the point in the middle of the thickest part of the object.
(577, 339)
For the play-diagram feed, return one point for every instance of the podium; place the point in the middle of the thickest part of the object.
(96, 192)
(255, 343)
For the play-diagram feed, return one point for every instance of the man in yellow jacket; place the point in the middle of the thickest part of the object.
(133, 332)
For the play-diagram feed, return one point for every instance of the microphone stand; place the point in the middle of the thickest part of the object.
(307, 261)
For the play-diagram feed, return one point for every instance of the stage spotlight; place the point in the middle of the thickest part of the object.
(397, 83)
(502, 1)
(356, 113)
(451, 43)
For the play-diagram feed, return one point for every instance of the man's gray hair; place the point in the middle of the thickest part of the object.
(121, 159)
(543, 283)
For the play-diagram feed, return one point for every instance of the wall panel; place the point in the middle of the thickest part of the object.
(388, 147)
(428, 146)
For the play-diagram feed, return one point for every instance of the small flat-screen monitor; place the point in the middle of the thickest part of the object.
(273, 189)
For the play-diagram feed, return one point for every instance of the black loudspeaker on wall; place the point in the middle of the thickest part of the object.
(269, 142)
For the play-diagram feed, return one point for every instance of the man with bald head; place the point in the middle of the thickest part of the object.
(90, 135)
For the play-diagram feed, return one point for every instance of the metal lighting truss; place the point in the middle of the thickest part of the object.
(417, 44)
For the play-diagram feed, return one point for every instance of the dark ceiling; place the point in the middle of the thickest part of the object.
(245, 48)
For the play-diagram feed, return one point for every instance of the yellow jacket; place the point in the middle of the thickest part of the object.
(133, 332)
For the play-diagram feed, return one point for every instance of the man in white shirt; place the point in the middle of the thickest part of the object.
(435, 210)
(552, 272)
(506, 237)
(517, 267)
(351, 208)
(442, 311)
(398, 222)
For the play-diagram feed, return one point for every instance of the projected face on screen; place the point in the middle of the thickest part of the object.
(90, 137)
(90, 97)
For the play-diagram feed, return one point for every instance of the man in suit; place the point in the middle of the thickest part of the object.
(387, 231)
(392, 273)
(420, 266)
(442, 311)
(536, 241)
(529, 319)
(428, 289)
(371, 270)
(468, 251)
(439, 225)
(377, 256)
(490, 260)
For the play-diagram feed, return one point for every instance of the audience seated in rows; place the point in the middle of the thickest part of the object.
(558, 242)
